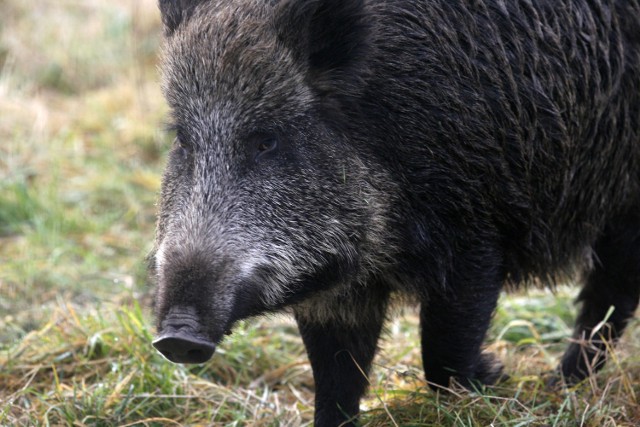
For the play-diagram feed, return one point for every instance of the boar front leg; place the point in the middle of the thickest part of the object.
(341, 335)
(454, 323)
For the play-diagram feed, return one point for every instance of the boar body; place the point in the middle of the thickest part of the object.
(331, 154)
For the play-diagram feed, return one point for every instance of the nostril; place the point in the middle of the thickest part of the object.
(195, 353)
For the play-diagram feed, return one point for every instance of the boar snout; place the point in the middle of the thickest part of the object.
(180, 339)
(182, 347)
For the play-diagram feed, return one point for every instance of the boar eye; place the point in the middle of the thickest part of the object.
(181, 148)
(265, 144)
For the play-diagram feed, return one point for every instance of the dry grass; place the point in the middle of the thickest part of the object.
(80, 161)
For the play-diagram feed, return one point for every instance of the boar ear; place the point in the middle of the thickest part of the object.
(174, 12)
(330, 35)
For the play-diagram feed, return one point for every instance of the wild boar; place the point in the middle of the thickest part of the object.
(331, 154)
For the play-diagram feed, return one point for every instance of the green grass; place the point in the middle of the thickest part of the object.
(97, 368)
(81, 153)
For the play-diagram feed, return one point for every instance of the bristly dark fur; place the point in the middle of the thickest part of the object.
(333, 154)
(174, 12)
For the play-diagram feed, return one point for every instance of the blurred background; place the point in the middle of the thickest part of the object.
(81, 148)
(81, 154)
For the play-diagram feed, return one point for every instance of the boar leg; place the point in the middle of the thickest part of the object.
(340, 350)
(453, 326)
(613, 282)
